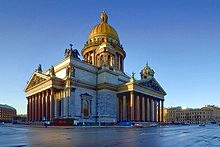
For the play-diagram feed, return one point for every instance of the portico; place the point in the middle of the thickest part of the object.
(45, 97)
(139, 104)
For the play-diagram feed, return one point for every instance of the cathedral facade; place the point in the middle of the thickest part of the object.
(94, 89)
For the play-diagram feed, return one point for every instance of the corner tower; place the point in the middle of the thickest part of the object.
(103, 47)
(147, 72)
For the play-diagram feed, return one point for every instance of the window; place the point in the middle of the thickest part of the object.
(86, 105)
(109, 60)
(85, 108)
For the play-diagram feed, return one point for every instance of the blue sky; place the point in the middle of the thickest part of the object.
(179, 39)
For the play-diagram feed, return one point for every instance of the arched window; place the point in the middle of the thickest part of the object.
(85, 108)
(109, 60)
(86, 105)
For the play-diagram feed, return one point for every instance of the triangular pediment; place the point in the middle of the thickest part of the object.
(152, 83)
(36, 79)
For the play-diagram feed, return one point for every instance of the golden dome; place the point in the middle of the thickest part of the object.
(103, 28)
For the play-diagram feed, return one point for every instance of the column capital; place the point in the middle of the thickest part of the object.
(43, 93)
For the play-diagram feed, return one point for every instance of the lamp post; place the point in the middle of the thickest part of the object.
(99, 120)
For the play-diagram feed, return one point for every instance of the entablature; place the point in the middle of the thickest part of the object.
(40, 82)
(131, 86)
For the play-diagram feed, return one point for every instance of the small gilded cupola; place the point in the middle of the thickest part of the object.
(147, 72)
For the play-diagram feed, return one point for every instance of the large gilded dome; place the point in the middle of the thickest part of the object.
(103, 47)
(103, 28)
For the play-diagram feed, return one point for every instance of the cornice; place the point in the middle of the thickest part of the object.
(107, 86)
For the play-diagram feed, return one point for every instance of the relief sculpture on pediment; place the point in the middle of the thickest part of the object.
(35, 81)
(153, 85)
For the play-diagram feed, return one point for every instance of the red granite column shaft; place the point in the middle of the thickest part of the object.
(118, 108)
(148, 109)
(137, 108)
(39, 107)
(159, 110)
(32, 103)
(132, 105)
(143, 118)
(43, 106)
(28, 108)
(124, 112)
(51, 104)
(48, 105)
(155, 110)
(162, 110)
(36, 107)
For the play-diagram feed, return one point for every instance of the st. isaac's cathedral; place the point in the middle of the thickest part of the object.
(95, 89)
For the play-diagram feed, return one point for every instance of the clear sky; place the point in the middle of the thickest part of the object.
(179, 39)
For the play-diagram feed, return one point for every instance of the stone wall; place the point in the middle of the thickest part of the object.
(75, 102)
(85, 76)
(106, 105)
(107, 77)
(84, 72)
(61, 74)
